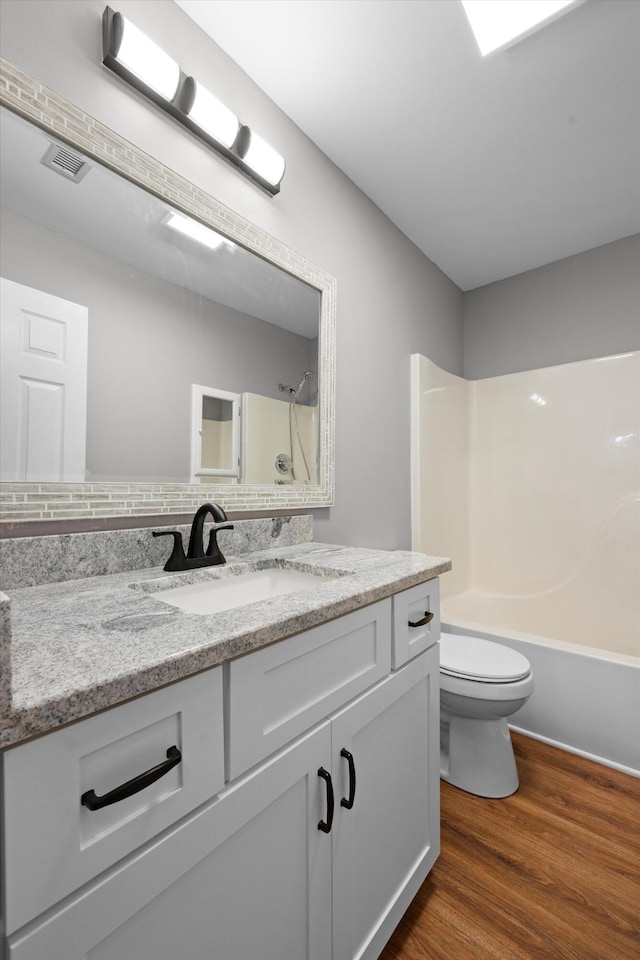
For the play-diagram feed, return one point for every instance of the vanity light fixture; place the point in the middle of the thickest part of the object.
(138, 60)
(191, 228)
(143, 59)
(213, 117)
(264, 159)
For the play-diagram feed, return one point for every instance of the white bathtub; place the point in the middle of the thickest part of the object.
(586, 700)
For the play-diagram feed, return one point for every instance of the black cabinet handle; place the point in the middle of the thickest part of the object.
(93, 802)
(325, 825)
(352, 780)
(428, 617)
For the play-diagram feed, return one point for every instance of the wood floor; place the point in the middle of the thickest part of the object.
(551, 873)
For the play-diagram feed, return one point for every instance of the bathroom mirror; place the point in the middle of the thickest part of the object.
(179, 294)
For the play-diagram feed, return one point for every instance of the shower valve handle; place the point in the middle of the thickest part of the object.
(428, 617)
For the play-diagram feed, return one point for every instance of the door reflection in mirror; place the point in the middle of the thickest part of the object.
(215, 434)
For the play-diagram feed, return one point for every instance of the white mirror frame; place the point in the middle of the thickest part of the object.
(26, 501)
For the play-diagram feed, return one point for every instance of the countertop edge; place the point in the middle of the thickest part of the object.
(49, 714)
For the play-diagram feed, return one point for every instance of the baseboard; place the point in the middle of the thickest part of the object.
(580, 753)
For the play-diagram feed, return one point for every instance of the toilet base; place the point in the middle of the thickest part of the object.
(477, 755)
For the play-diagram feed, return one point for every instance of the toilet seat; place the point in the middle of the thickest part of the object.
(481, 661)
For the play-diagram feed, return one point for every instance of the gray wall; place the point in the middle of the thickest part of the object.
(149, 340)
(392, 301)
(574, 309)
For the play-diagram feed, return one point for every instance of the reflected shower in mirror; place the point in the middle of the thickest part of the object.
(117, 309)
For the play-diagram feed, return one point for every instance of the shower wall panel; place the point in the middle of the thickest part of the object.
(551, 502)
(268, 432)
(555, 500)
(440, 468)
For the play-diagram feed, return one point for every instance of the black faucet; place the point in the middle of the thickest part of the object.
(196, 556)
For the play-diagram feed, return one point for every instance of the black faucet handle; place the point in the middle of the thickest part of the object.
(213, 550)
(177, 558)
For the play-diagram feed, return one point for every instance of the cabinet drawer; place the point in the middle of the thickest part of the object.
(277, 693)
(53, 843)
(413, 606)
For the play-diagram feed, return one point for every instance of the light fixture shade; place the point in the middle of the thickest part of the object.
(195, 230)
(264, 160)
(213, 117)
(144, 59)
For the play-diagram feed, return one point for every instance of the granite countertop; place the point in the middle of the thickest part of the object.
(80, 646)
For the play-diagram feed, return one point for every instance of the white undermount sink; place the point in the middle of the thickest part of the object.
(227, 593)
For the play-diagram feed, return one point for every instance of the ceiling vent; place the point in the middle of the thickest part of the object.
(70, 165)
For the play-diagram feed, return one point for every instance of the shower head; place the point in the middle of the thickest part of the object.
(308, 375)
(285, 387)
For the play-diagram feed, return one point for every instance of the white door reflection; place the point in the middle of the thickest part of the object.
(215, 434)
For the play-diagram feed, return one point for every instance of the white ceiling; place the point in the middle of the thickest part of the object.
(493, 165)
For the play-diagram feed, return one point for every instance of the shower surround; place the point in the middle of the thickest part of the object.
(530, 482)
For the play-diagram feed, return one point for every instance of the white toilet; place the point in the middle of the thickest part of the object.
(481, 684)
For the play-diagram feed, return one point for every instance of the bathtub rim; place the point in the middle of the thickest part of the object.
(489, 632)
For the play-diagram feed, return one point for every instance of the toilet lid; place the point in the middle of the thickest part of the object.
(473, 658)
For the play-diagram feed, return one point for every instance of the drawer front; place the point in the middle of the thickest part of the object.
(53, 842)
(277, 693)
(413, 606)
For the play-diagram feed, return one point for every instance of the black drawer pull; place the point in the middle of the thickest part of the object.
(93, 802)
(325, 825)
(428, 617)
(352, 780)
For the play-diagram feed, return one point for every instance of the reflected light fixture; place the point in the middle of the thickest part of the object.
(195, 230)
(498, 24)
(138, 60)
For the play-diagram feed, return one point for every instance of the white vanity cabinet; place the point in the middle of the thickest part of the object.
(247, 877)
(312, 852)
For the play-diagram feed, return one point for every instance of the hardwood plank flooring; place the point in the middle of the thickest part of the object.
(550, 873)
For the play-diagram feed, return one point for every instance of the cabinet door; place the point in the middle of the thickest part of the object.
(247, 877)
(384, 846)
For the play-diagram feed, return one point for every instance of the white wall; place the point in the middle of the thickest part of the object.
(392, 301)
(574, 309)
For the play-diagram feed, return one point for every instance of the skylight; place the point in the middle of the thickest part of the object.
(499, 23)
